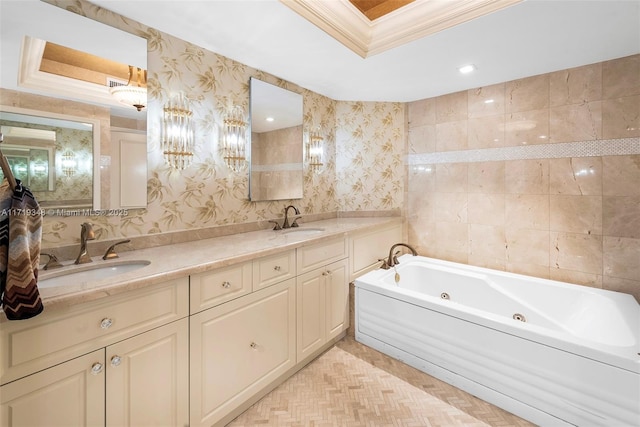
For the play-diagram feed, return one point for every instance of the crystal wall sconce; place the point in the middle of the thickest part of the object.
(178, 132)
(314, 151)
(234, 141)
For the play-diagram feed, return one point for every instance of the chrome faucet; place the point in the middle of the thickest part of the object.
(286, 218)
(86, 234)
(393, 258)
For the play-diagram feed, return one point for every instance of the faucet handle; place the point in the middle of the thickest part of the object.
(295, 223)
(385, 265)
(52, 262)
(277, 225)
(111, 253)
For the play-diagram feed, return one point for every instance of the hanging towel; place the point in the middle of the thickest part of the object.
(20, 236)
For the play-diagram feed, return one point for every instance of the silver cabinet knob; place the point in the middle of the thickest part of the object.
(277, 268)
(226, 284)
(106, 323)
(116, 361)
(96, 368)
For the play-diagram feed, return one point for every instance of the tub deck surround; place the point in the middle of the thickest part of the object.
(178, 260)
(575, 360)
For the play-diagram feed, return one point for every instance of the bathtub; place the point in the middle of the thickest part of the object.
(550, 352)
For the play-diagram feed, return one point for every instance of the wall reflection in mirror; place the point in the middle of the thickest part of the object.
(53, 157)
(276, 143)
(62, 156)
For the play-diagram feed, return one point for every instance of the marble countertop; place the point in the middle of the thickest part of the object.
(179, 260)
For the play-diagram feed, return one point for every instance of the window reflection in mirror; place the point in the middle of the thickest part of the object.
(276, 171)
(54, 157)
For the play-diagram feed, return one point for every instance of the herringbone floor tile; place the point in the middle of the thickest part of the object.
(354, 385)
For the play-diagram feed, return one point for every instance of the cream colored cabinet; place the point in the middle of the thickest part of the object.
(215, 287)
(238, 348)
(322, 307)
(147, 378)
(121, 361)
(367, 247)
(69, 394)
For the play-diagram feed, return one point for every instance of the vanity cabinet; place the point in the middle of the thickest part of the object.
(322, 307)
(322, 295)
(367, 247)
(238, 348)
(69, 394)
(123, 362)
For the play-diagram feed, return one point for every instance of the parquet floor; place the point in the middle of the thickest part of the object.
(354, 385)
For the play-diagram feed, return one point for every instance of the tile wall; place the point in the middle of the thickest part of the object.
(539, 176)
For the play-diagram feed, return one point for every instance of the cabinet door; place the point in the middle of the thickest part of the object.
(337, 298)
(238, 348)
(310, 305)
(148, 378)
(69, 394)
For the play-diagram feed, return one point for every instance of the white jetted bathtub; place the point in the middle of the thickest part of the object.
(550, 352)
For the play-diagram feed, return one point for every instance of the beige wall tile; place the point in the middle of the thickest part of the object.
(451, 177)
(422, 206)
(451, 207)
(621, 175)
(625, 286)
(527, 128)
(486, 177)
(576, 85)
(575, 214)
(422, 112)
(577, 252)
(486, 132)
(527, 176)
(621, 257)
(578, 176)
(528, 269)
(578, 122)
(486, 209)
(621, 117)
(621, 77)
(531, 93)
(451, 136)
(422, 236)
(422, 179)
(487, 262)
(527, 211)
(527, 247)
(452, 107)
(422, 139)
(621, 216)
(453, 241)
(575, 277)
(487, 101)
(487, 242)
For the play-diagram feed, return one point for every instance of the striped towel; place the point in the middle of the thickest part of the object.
(20, 235)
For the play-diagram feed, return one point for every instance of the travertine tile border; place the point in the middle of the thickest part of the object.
(607, 147)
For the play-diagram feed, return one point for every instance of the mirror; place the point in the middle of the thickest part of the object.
(54, 157)
(276, 169)
(30, 37)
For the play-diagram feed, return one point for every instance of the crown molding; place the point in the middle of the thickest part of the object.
(345, 23)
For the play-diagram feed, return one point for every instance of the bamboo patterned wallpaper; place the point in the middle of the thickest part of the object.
(367, 138)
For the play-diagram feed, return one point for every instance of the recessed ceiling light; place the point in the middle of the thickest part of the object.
(269, 119)
(466, 69)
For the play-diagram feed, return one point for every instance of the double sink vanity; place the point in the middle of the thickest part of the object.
(189, 334)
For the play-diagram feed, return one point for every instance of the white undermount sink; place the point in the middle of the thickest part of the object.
(298, 231)
(88, 272)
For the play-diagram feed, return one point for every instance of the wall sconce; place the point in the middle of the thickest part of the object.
(69, 164)
(132, 95)
(234, 141)
(314, 153)
(177, 132)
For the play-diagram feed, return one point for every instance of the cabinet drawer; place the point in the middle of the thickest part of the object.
(220, 285)
(270, 270)
(43, 341)
(238, 348)
(314, 256)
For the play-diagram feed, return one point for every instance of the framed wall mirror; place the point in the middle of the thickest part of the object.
(276, 168)
(54, 156)
(38, 59)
